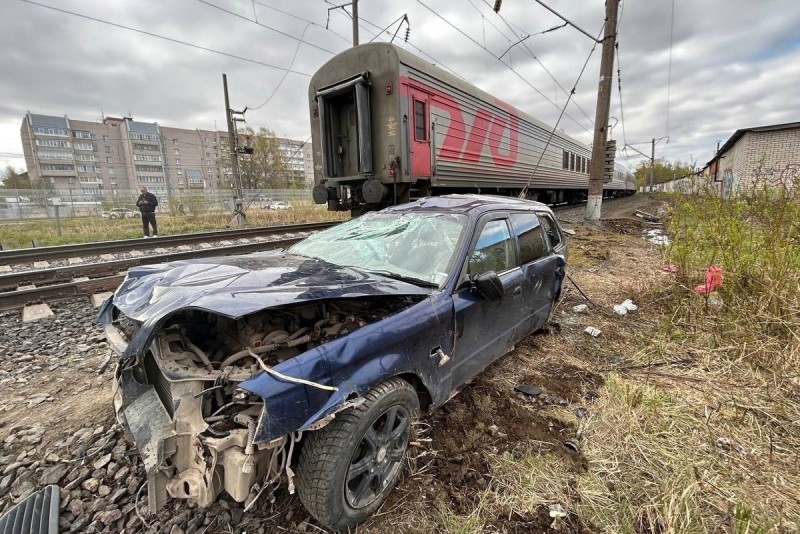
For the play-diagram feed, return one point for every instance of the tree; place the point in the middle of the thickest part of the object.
(265, 167)
(14, 180)
(664, 171)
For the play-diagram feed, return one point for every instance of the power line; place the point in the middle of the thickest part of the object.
(669, 75)
(285, 74)
(539, 62)
(170, 39)
(340, 36)
(563, 110)
(529, 84)
(300, 39)
(412, 45)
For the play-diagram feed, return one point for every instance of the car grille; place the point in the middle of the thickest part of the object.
(156, 379)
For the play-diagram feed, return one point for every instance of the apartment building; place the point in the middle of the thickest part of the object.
(299, 163)
(121, 154)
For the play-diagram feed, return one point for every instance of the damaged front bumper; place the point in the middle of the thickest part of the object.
(182, 456)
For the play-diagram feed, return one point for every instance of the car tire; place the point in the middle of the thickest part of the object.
(347, 469)
(112, 216)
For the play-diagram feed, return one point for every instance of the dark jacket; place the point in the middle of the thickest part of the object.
(147, 202)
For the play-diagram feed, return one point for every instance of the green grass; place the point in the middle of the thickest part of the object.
(21, 234)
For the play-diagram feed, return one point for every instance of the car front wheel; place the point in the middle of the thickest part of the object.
(348, 468)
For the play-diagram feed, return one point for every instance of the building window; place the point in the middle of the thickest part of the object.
(174, 141)
(145, 157)
(81, 134)
(177, 151)
(51, 131)
(178, 172)
(151, 148)
(177, 161)
(87, 168)
(108, 150)
(85, 157)
(83, 146)
(105, 138)
(111, 170)
(144, 137)
(52, 143)
(43, 154)
(108, 160)
(57, 167)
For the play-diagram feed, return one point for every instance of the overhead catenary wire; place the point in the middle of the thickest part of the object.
(509, 67)
(292, 15)
(530, 52)
(237, 15)
(555, 127)
(285, 74)
(164, 37)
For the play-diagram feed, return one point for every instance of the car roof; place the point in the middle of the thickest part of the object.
(469, 203)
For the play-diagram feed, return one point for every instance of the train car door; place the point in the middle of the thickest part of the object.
(420, 142)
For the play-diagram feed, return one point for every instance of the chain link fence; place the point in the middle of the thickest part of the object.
(17, 204)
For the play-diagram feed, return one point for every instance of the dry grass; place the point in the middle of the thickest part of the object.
(86, 229)
(695, 429)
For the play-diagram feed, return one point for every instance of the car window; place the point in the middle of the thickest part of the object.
(551, 229)
(530, 236)
(494, 250)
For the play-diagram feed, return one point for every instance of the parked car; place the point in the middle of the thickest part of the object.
(121, 213)
(309, 365)
(279, 205)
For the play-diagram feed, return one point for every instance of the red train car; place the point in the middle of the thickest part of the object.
(388, 127)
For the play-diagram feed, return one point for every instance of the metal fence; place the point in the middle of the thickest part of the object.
(16, 204)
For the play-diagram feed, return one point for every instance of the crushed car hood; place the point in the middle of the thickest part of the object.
(235, 286)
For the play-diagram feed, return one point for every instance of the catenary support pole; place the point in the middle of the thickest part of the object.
(595, 200)
(355, 22)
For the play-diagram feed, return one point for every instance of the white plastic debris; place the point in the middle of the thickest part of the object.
(592, 331)
(556, 510)
(619, 309)
(580, 308)
(629, 305)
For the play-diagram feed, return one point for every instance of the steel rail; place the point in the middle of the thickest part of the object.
(12, 298)
(29, 255)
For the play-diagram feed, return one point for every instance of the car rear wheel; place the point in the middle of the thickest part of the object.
(348, 468)
(113, 216)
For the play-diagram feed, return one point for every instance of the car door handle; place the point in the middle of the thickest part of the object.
(517, 291)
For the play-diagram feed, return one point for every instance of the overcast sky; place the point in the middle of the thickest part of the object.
(734, 63)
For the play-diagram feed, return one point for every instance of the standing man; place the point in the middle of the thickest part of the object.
(147, 203)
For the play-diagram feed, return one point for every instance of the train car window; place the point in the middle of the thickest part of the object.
(551, 229)
(530, 236)
(572, 162)
(420, 131)
(565, 161)
(494, 250)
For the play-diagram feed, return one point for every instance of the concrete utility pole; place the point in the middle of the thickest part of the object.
(355, 22)
(652, 166)
(237, 183)
(595, 200)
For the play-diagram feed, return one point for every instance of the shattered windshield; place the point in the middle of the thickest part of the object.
(417, 247)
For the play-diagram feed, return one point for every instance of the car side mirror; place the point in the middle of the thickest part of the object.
(489, 285)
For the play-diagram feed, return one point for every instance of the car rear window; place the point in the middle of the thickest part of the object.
(551, 229)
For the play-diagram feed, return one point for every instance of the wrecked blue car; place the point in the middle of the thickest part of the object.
(306, 367)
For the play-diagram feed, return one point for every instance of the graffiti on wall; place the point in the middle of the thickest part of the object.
(783, 176)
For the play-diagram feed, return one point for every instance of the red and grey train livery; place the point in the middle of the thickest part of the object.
(388, 127)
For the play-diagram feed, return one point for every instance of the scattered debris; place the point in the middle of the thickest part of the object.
(572, 445)
(657, 237)
(714, 301)
(581, 413)
(580, 308)
(646, 216)
(670, 268)
(532, 391)
(568, 231)
(493, 430)
(625, 307)
(556, 510)
(619, 309)
(592, 270)
(713, 281)
(729, 445)
(592, 331)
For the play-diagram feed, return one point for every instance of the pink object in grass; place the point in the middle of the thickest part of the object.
(670, 268)
(713, 281)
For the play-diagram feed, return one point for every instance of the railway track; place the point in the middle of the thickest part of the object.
(18, 289)
(29, 255)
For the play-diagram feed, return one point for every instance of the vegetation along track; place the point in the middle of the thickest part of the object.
(20, 288)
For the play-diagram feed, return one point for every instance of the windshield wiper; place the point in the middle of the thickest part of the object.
(396, 276)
